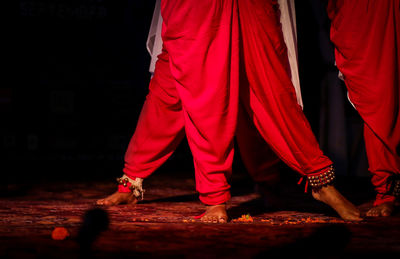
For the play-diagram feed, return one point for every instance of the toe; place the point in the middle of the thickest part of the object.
(222, 220)
(204, 219)
(370, 213)
(386, 213)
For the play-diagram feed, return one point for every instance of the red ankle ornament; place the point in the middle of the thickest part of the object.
(129, 185)
(124, 185)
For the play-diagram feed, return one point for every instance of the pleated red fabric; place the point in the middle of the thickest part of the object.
(195, 91)
(366, 35)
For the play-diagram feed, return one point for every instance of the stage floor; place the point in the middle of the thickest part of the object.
(163, 225)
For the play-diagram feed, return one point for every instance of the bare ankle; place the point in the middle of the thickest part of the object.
(321, 193)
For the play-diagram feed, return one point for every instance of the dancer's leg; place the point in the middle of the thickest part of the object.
(259, 160)
(366, 35)
(202, 40)
(159, 130)
(271, 101)
(383, 166)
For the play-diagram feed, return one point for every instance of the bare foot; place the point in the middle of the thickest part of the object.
(382, 210)
(333, 198)
(215, 214)
(118, 198)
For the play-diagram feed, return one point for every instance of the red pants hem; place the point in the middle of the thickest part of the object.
(215, 198)
(382, 198)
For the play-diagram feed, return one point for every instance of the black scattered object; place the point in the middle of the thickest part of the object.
(94, 222)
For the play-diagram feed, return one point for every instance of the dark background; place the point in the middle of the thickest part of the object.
(79, 76)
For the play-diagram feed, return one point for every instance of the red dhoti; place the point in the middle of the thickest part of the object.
(195, 91)
(266, 90)
(366, 35)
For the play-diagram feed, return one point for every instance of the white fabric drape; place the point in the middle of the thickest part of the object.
(154, 41)
(288, 21)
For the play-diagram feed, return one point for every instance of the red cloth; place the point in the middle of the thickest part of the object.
(366, 35)
(195, 90)
(124, 189)
(266, 90)
(257, 156)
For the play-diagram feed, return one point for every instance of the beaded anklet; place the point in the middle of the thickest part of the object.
(126, 184)
(319, 179)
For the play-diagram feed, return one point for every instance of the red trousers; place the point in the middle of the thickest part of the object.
(195, 91)
(366, 35)
(266, 90)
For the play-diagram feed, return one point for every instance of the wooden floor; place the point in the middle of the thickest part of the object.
(163, 225)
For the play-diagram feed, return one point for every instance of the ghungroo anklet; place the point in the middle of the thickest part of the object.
(395, 188)
(126, 184)
(319, 180)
